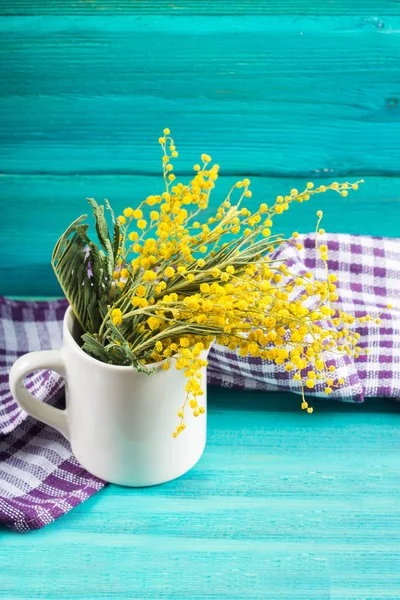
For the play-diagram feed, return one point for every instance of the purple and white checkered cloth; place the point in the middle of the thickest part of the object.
(40, 479)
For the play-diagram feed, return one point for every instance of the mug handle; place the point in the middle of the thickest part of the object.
(45, 359)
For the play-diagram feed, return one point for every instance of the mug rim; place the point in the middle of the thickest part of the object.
(68, 320)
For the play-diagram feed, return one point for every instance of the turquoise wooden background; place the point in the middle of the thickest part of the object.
(281, 91)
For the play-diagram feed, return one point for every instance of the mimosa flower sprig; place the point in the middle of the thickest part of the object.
(166, 284)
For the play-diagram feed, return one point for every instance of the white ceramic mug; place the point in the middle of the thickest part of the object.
(119, 422)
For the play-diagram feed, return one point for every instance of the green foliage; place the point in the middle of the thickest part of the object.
(84, 271)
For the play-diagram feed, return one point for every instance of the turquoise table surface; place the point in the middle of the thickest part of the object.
(281, 505)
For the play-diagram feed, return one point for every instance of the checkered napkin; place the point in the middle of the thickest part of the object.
(40, 479)
(368, 271)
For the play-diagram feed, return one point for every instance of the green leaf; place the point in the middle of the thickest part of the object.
(116, 240)
(93, 347)
(70, 264)
(136, 364)
(100, 223)
(117, 230)
(103, 235)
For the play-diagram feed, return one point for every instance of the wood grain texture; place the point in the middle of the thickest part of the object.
(36, 209)
(194, 7)
(282, 505)
(268, 89)
(268, 94)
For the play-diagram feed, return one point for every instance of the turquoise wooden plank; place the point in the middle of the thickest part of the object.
(92, 94)
(193, 7)
(35, 25)
(36, 209)
(282, 505)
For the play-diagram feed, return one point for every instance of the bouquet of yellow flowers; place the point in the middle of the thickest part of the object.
(163, 285)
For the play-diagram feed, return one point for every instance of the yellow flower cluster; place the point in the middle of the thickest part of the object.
(181, 283)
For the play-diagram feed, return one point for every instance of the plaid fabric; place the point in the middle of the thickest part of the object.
(368, 269)
(40, 479)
